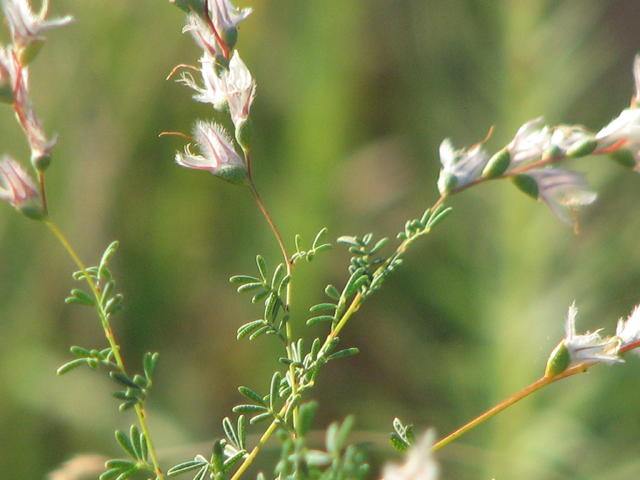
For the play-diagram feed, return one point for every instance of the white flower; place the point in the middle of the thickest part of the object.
(219, 36)
(628, 331)
(202, 34)
(218, 155)
(18, 189)
(563, 191)
(459, 167)
(225, 16)
(588, 347)
(233, 88)
(420, 464)
(26, 27)
(530, 143)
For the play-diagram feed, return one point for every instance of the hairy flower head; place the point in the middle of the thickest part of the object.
(217, 153)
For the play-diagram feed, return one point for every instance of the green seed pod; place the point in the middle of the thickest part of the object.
(447, 183)
(558, 362)
(582, 148)
(624, 157)
(497, 164)
(526, 184)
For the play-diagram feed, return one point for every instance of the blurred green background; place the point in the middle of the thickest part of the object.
(354, 98)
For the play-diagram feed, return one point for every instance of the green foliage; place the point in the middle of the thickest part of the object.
(136, 446)
(273, 292)
(402, 438)
(337, 462)
(225, 455)
(316, 247)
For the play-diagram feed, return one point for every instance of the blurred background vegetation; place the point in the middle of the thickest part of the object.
(354, 98)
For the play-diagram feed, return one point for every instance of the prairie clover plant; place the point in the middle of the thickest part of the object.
(530, 160)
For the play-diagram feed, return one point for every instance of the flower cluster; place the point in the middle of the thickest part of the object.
(591, 348)
(26, 30)
(531, 150)
(227, 84)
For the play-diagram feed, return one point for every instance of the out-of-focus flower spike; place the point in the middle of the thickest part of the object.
(420, 464)
(628, 331)
(563, 191)
(26, 27)
(575, 349)
(19, 190)
(459, 167)
(217, 154)
(621, 138)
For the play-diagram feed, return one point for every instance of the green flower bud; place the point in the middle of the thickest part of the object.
(553, 151)
(558, 362)
(497, 164)
(6, 94)
(232, 173)
(30, 52)
(624, 157)
(196, 6)
(582, 148)
(447, 183)
(231, 37)
(526, 184)
(42, 162)
(32, 210)
(244, 134)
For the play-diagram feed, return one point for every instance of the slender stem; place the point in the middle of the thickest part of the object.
(525, 392)
(43, 193)
(263, 439)
(272, 224)
(289, 266)
(115, 348)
